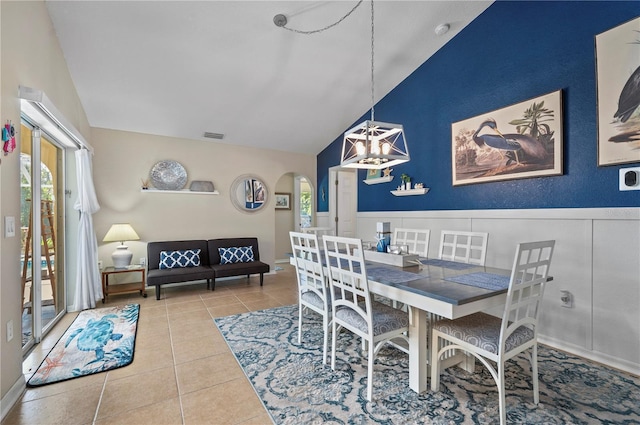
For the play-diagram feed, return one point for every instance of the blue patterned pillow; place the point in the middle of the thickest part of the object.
(179, 259)
(236, 254)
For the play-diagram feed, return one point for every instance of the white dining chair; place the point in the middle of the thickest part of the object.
(319, 232)
(353, 306)
(416, 239)
(313, 293)
(463, 247)
(494, 339)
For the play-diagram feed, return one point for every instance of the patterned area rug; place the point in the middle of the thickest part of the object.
(98, 340)
(296, 388)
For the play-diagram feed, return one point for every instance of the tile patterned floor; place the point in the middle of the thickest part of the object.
(182, 372)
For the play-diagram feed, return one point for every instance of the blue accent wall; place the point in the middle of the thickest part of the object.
(512, 52)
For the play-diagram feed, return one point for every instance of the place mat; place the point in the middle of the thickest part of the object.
(482, 280)
(389, 275)
(382, 274)
(447, 264)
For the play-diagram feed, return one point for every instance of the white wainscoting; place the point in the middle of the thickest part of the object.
(597, 259)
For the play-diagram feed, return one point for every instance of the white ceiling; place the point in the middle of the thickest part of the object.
(182, 68)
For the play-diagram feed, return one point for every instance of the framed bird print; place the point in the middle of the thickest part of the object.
(519, 141)
(618, 79)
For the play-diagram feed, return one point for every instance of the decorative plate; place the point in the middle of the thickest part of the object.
(168, 175)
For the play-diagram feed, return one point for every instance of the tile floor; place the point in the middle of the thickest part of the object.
(182, 372)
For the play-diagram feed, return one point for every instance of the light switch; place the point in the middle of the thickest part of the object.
(9, 227)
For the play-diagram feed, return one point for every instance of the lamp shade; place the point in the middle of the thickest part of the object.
(120, 233)
(374, 145)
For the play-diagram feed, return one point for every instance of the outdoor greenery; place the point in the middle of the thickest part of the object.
(46, 190)
(305, 208)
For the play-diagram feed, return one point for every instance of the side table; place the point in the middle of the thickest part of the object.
(123, 287)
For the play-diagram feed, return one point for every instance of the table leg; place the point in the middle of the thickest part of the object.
(418, 366)
(104, 287)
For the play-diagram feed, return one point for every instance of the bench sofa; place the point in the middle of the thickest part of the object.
(185, 261)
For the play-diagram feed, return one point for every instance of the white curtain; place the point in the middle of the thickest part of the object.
(88, 283)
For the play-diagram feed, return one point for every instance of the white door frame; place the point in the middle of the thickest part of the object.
(334, 220)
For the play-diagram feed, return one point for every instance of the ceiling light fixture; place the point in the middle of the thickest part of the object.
(374, 144)
(371, 144)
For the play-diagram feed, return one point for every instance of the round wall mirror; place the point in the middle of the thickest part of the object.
(249, 193)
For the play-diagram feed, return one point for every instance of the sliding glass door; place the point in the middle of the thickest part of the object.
(42, 233)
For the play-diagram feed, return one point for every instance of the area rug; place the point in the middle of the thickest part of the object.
(98, 340)
(296, 388)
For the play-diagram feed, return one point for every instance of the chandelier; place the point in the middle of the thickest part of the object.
(371, 144)
(374, 144)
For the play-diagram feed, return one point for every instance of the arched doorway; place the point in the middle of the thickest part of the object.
(299, 213)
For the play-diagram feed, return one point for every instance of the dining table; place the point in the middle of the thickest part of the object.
(433, 287)
(437, 288)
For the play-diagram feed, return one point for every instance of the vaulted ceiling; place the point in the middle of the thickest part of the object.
(183, 68)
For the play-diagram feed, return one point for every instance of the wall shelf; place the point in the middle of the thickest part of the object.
(193, 192)
(410, 192)
(378, 180)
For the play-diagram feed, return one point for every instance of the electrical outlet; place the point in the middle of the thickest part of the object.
(9, 330)
(629, 178)
(566, 298)
(143, 261)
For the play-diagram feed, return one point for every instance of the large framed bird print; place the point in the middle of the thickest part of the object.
(519, 141)
(618, 80)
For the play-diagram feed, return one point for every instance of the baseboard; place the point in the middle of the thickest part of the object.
(12, 396)
(605, 359)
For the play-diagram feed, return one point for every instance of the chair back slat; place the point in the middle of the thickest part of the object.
(308, 263)
(416, 239)
(463, 247)
(526, 287)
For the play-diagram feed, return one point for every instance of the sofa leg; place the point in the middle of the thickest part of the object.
(261, 278)
(213, 284)
(157, 292)
(208, 283)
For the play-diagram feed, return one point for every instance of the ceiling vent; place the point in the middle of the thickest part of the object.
(209, 135)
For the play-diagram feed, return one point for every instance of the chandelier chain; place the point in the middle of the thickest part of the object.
(372, 62)
(328, 26)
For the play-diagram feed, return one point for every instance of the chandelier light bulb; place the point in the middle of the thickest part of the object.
(375, 147)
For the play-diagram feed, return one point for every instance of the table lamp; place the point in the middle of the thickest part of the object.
(120, 233)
